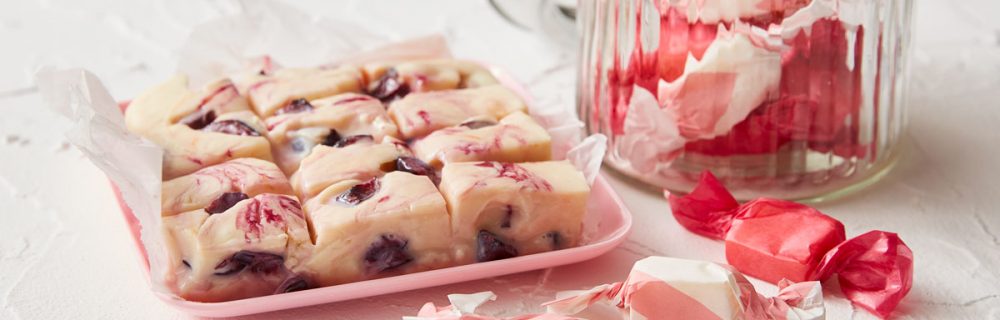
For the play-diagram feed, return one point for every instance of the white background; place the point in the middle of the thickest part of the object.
(65, 252)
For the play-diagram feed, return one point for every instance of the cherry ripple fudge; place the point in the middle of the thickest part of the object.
(271, 91)
(503, 210)
(197, 129)
(419, 114)
(298, 178)
(383, 226)
(516, 138)
(393, 80)
(234, 245)
(303, 124)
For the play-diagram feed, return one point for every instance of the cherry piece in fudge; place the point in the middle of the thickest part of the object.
(388, 87)
(489, 247)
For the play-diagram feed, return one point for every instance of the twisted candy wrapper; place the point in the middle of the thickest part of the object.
(775, 239)
(670, 288)
(463, 307)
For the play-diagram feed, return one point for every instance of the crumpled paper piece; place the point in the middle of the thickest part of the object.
(225, 47)
(463, 307)
(776, 239)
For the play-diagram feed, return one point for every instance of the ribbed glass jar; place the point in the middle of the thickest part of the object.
(792, 99)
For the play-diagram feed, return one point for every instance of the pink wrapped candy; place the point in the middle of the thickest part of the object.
(775, 239)
(660, 288)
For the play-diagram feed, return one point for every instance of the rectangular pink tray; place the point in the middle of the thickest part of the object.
(615, 223)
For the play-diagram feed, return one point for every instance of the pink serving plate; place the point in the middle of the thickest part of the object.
(614, 223)
(614, 226)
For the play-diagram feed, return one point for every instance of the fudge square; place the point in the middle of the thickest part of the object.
(383, 226)
(419, 114)
(270, 92)
(230, 136)
(251, 248)
(390, 81)
(197, 128)
(517, 138)
(361, 160)
(212, 187)
(502, 210)
(233, 231)
(303, 124)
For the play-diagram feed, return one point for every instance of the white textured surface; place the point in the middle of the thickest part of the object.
(65, 252)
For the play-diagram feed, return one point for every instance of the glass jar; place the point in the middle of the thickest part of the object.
(792, 99)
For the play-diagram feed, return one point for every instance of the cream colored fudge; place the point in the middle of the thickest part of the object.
(328, 165)
(230, 136)
(210, 187)
(197, 129)
(328, 121)
(271, 92)
(386, 79)
(171, 102)
(253, 248)
(419, 114)
(379, 227)
(501, 210)
(516, 138)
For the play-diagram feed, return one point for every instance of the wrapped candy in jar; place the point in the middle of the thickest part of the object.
(785, 99)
